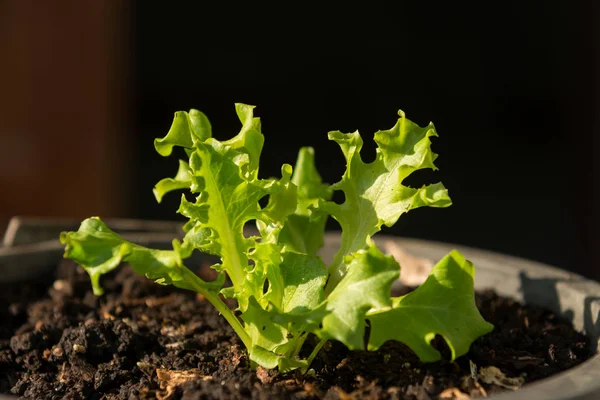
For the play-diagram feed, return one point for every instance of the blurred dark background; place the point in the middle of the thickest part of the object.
(512, 89)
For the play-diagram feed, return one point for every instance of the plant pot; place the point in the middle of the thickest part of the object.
(31, 247)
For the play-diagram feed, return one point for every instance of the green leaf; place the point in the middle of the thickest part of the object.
(264, 358)
(186, 129)
(183, 180)
(374, 193)
(265, 334)
(304, 277)
(366, 286)
(99, 250)
(228, 194)
(304, 229)
(277, 338)
(282, 202)
(224, 177)
(444, 305)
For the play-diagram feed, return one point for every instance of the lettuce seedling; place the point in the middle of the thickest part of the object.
(284, 290)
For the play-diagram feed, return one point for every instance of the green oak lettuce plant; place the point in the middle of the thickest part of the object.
(284, 290)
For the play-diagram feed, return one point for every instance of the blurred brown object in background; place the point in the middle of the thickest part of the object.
(63, 108)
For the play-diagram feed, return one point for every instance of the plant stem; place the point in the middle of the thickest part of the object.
(314, 353)
(220, 305)
(298, 345)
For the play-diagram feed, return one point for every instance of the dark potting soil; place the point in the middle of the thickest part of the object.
(144, 341)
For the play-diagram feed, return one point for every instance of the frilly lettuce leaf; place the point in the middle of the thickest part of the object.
(276, 338)
(304, 277)
(186, 129)
(99, 250)
(183, 180)
(444, 305)
(224, 177)
(304, 229)
(374, 193)
(366, 286)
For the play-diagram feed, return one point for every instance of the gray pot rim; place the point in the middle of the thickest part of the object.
(492, 270)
